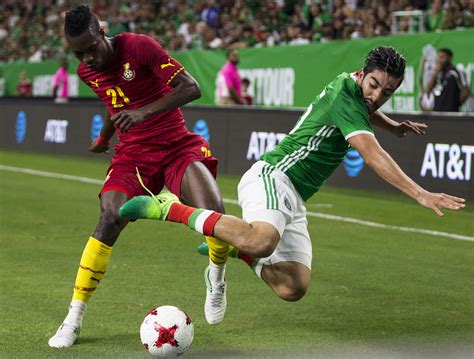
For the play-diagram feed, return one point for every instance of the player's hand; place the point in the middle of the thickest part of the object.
(406, 127)
(100, 145)
(125, 119)
(99, 148)
(437, 201)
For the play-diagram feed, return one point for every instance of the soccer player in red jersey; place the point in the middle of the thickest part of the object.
(143, 88)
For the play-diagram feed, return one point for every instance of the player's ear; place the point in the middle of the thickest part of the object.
(360, 75)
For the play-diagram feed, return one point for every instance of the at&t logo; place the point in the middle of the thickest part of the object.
(56, 131)
(353, 163)
(443, 160)
(96, 126)
(20, 127)
(261, 142)
(200, 128)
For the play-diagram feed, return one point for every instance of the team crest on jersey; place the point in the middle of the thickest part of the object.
(128, 74)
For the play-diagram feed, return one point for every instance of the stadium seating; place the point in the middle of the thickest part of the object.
(209, 24)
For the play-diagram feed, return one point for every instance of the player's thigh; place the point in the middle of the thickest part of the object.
(266, 195)
(190, 174)
(199, 188)
(294, 246)
(122, 177)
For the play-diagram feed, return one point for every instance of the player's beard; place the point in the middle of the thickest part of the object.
(371, 106)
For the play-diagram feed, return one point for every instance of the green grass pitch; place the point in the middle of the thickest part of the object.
(374, 292)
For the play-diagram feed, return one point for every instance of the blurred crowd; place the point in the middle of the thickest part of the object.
(31, 30)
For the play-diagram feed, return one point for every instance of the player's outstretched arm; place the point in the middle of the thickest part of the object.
(381, 162)
(400, 129)
(101, 144)
(185, 90)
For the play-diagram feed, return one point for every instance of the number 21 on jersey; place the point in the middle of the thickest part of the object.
(114, 92)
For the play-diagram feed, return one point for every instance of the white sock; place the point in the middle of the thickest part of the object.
(77, 308)
(216, 272)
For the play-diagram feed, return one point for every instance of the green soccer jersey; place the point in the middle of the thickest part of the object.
(318, 142)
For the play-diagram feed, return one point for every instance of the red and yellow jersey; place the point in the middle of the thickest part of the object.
(139, 74)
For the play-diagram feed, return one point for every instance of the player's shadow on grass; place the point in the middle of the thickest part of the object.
(234, 354)
(109, 339)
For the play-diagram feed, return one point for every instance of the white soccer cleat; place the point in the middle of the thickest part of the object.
(68, 332)
(216, 300)
(65, 337)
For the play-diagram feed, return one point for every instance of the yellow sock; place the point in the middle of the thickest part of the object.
(218, 250)
(91, 269)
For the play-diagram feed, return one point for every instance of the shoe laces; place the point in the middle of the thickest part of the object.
(66, 330)
(217, 292)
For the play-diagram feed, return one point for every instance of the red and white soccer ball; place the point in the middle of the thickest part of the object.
(166, 332)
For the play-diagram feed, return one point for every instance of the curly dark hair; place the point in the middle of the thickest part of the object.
(78, 20)
(387, 59)
(447, 51)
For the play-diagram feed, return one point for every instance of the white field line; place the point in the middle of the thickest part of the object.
(231, 201)
(319, 205)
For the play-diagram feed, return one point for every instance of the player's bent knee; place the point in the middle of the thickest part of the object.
(110, 218)
(263, 240)
(292, 293)
(261, 246)
(289, 280)
(266, 248)
(109, 227)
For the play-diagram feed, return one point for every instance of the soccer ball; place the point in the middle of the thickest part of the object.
(166, 332)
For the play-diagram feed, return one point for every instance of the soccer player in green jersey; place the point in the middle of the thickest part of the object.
(272, 236)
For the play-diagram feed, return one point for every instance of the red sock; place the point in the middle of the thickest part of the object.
(246, 258)
(180, 213)
(198, 219)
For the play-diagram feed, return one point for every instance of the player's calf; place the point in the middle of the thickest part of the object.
(256, 239)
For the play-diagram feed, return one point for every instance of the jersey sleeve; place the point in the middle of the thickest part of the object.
(350, 117)
(150, 53)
